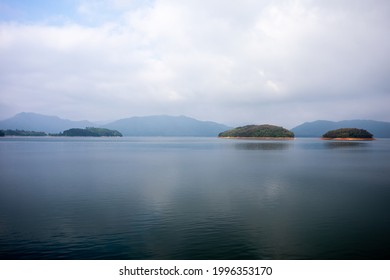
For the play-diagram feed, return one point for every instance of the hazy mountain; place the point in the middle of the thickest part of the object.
(178, 126)
(37, 122)
(166, 126)
(135, 126)
(318, 128)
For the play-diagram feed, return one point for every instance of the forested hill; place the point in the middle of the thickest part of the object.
(90, 132)
(10, 132)
(257, 131)
(348, 133)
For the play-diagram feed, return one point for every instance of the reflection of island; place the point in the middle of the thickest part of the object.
(90, 132)
(261, 132)
(344, 144)
(262, 146)
(350, 134)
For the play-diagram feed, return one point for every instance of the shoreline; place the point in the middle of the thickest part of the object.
(257, 138)
(349, 139)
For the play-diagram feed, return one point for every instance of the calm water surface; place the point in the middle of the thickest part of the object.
(193, 198)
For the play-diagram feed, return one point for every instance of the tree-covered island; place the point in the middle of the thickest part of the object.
(348, 134)
(264, 131)
(17, 132)
(90, 132)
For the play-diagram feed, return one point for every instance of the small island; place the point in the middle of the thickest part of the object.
(89, 132)
(261, 132)
(348, 134)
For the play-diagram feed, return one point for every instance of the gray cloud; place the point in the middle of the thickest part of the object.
(280, 62)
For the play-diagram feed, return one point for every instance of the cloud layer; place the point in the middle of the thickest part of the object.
(282, 62)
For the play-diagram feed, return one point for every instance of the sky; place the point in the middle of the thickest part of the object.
(281, 62)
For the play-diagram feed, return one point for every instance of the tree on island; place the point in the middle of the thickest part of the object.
(258, 131)
(348, 133)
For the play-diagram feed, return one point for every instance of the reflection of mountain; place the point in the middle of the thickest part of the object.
(262, 146)
(318, 128)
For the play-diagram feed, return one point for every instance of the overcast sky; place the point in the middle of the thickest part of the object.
(235, 62)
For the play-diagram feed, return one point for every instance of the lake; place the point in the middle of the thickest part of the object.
(193, 198)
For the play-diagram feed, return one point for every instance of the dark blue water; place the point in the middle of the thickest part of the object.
(193, 198)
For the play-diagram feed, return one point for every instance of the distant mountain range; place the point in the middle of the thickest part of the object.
(177, 126)
(318, 128)
(135, 126)
(166, 126)
(38, 122)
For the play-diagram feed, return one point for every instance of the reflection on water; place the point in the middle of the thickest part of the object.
(190, 198)
(344, 144)
(262, 146)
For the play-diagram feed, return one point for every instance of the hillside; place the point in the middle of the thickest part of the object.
(90, 132)
(318, 128)
(166, 126)
(38, 122)
(258, 131)
(348, 133)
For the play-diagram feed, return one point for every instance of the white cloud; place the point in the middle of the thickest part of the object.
(215, 60)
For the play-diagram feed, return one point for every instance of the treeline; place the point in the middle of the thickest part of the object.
(265, 130)
(348, 133)
(89, 132)
(17, 132)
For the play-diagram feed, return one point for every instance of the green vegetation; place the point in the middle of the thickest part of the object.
(348, 133)
(258, 131)
(89, 132)
(10, 132)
